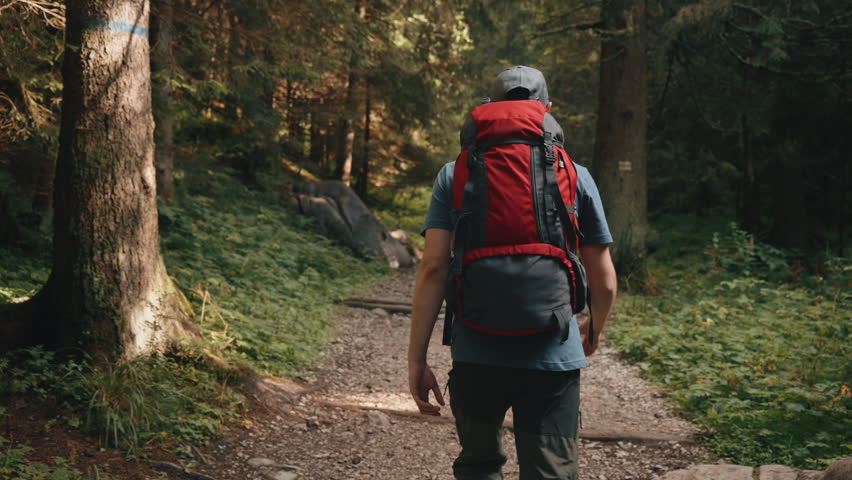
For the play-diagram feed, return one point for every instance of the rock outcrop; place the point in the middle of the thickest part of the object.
(839, 470)
(345, 218)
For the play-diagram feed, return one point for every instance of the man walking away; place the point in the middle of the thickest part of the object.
(504, 227)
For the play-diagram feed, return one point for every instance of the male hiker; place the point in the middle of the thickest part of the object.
(503, 227)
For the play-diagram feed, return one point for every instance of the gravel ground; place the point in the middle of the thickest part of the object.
(357, 421)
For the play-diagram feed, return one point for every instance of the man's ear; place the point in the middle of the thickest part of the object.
(547, 107)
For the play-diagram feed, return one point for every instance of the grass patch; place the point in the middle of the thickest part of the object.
(754, 346)
(168, 401)
(262, 281)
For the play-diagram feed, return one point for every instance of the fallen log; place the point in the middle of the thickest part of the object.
(585, 433)
(391, 306)
(387, 301)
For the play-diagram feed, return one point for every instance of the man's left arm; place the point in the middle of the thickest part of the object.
(600, 274)
(428, 296)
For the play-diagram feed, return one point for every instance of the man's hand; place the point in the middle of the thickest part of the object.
(420, 381)
(588, 348)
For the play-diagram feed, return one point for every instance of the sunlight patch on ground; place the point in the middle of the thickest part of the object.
(376, 400)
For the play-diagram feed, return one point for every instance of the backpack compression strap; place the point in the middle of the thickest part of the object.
(564, 212)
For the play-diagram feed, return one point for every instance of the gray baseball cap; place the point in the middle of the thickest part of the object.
(520, 76)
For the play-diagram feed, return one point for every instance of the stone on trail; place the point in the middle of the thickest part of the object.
(711, 472)
(261, 462)
(283, 475)
(778, 472)
(378, 419)
(839, 470)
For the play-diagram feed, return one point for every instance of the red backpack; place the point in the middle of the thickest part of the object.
(514, 269)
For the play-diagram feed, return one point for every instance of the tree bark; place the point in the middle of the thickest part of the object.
(620, 159)
(295, 131)
(331, 142)
(317, 151)
(347, 121)
(748, 191)
(163, 67)
(361, 183)
(347, 130)
(791, 223)
(108, 292)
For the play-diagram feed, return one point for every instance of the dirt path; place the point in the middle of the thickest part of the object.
(359, 422)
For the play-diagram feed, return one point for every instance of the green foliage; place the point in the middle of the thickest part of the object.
(758, 356)
(31, 83)
(22, 273)
(31, 44)
(14, 466)
(262, 283)
(405, 210)
(39, 372)
(738, 253)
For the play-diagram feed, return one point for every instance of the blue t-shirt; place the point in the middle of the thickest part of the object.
(537, 352)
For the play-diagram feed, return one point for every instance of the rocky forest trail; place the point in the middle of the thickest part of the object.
(355, 418)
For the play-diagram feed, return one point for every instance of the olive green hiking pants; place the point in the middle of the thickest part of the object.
(545, 406)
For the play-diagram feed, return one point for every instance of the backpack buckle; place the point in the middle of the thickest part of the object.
(549, 153)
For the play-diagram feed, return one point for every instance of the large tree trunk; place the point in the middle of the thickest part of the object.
(295, 130)
(330, 147)
(347, 130)
(347, 121)
(108, 292)
(317, 151)
(620, 160)
(748, 191)
(163, 67)
(363, 176)
(791, 223)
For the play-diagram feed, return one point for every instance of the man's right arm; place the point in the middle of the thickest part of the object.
(600, 274)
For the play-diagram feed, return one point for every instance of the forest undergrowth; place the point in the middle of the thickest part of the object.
(262, 282)
(753, 342)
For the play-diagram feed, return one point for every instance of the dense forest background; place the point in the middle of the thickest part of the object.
(748, 102)
(717, 131)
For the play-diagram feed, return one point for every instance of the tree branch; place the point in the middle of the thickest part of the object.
(570, 28)
(52, 11)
